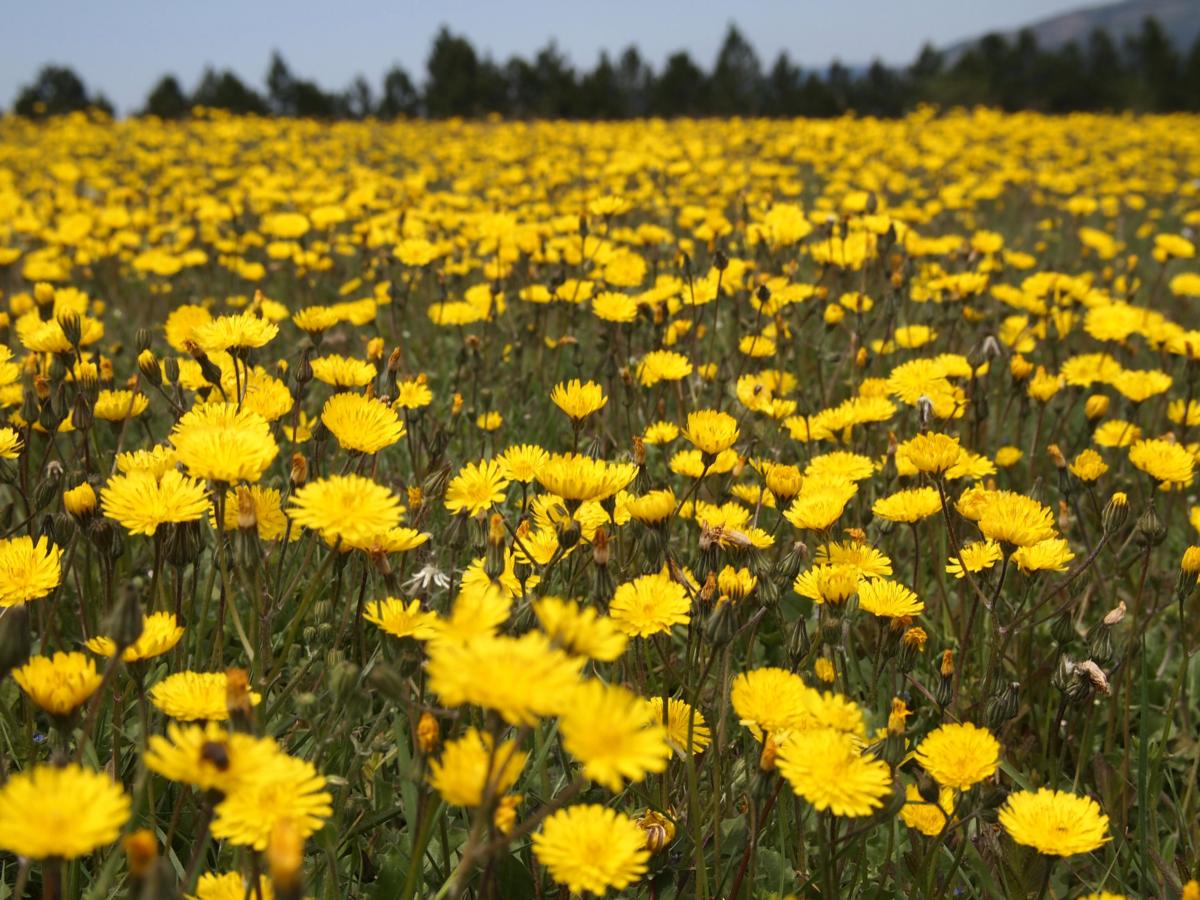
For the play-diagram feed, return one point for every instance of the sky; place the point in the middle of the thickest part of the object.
(122, 47)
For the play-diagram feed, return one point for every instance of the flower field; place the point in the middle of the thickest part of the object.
(659, 509)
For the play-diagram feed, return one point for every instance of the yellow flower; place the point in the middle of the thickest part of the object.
(1055, 823)
(931, 452)
(28, 570)
(579, 629)
(663, 365)
(220, 442)
(591, 848)
(477, 487)
(959, 755)
(1171, 465)
(59, 683)
(609, 730)
(254, 507)
(362, 424)
(191, 696)
(208, 756)
(520, 678)
(470, 768)
(1088, 466)
(343, 372)
(1010, 518)
(578, 478)
(60, 812)
(401, 619)
(241, 331)
(160, 632)
(522, 461)
(80, 500)
(770, 701)
(10, 444)
(926, 817)
(349, 511)
(650, 604)
(826, 768)
(413, 393)
(288, 789)
(141, 501)
(680, 720)
(232, 886)
(888, 599)
(711, 431)
(116, 406)
(578, 400)
(909, 505)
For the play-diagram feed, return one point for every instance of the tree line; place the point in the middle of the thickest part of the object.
(1143, 72)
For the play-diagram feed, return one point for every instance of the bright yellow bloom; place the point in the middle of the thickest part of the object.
(192, 696)
(578, 400)
(59, 683)
(208, 756)
(1171, 465)
(711, 431)
(680, 720)
(520, 678)
(650, 604)
(591, 848)
(477, 487)
(288, 789)
(28, 570)
(609, 730)
(160, 632)
(1055, 823)
(349, 511)
(219, 442)
(401, 619)
(827, 769)
(470, 768)
(362, 424)
(141, 501)
(959, 755)
(580, 629)
(60, 812)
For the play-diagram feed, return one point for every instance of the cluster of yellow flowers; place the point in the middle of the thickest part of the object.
(547, 500)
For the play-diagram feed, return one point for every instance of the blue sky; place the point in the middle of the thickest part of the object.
(121, 47)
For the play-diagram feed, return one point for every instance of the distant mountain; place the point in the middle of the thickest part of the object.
(1180, 20)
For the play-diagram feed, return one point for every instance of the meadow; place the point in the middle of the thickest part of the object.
(659, 509)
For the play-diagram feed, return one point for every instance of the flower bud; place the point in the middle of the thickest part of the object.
(15, 640)
(1149, 530)
(141, 852)
(660, 830)
(1003, 704)
(429, 734)
(285, 858)
(1116, 511)
(1096, 406)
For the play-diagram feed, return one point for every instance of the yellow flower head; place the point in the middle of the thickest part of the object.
(59, 683)
(65, 812)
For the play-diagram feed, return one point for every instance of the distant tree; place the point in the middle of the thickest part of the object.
(816, 98)
(782, 88)
(57, 90)
(1154, 59)
(635, 80)
(452, 87)
(880, 92)
(599, 93)
(359, 99)
(400, 97)
(167, 100)
(735, 88)
(1190, 78)
(1104, 71)
(224, 90)
(292, 96)
(681, 89)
